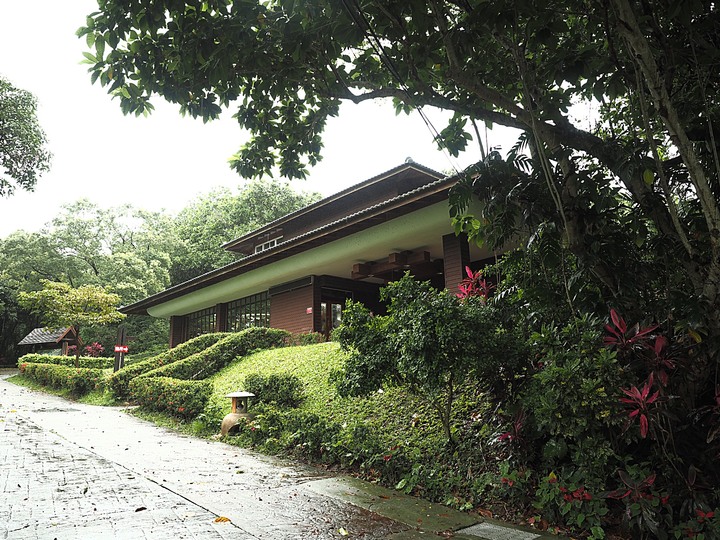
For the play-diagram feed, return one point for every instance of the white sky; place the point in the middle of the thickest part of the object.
(164, 161)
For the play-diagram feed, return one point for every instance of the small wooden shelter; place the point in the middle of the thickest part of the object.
(45, 338)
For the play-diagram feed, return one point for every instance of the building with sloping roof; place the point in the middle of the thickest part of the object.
(298, 271)
(46, 338)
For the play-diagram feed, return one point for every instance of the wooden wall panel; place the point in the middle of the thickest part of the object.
(289, 310)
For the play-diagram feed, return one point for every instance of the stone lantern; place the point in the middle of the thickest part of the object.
(239, 411)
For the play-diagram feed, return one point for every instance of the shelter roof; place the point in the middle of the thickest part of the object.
(48, 336)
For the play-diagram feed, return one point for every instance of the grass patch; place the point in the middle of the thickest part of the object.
(381, 436)
(392, 414)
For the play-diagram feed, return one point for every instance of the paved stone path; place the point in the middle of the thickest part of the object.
(73, 471)
(70, 471)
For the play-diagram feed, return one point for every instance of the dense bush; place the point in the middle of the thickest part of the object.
(184, 399)
(215, 357)
(119, 382)
(429, 342)
(85, 361)
(77, 381)
(283, 390)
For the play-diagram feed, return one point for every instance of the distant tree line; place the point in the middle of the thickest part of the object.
(132, 252)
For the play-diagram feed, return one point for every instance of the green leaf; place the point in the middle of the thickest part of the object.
(648, 177)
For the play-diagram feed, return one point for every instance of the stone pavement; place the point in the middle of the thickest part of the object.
(72, 471)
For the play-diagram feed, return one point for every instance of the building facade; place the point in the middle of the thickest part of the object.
(298, 272)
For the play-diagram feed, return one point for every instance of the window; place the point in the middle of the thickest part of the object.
(267, 245)
(249, 311)
(202, 322)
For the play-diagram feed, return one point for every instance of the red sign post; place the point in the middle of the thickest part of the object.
(120, 349)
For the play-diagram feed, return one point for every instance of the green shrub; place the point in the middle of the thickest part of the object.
(119, 382)
(85, 361)
(184, 399)
(211, 360)
(306, 338)
(77, 381)
(281, 389)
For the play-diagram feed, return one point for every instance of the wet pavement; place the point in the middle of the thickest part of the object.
(72, 471)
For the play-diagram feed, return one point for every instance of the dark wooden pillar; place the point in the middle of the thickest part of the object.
(221, 319)
(456, 256)
(178, 325)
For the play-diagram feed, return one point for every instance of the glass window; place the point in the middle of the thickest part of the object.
(249, 311)
(202, 322)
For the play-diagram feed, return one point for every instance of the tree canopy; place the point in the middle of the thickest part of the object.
(221, 216)
(60, 306)
(23, 153)
(638, 182)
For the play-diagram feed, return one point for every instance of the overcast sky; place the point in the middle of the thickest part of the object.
(164, 161)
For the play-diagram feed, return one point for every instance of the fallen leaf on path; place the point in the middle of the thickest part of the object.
(343, 532)
(485, 513)
(221, 519)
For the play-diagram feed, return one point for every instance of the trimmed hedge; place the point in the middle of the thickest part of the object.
(185, 399)
(77, 381)
(214, 358)
(119, 382)
(180, 389)
(99, 362)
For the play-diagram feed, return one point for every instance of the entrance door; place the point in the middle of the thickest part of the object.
(331, 306)
(331, 317)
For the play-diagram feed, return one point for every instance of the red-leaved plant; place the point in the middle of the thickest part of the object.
(640, 401)
(474, 285)
(623, 338)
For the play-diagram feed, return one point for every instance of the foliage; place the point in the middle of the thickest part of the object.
(184, 399)
(23, 146)
(94, 349)
(59, 305)
(429, 342)
(571, 502)
(283, 390)
(221, 216)
(126, 250)
(306, 338)
(77, 381)
(85, 361)
(119, 381)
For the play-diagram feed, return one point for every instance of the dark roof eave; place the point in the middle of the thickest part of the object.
(295, 245)
(405, 166)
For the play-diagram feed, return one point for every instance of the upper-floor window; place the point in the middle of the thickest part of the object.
(267, 245)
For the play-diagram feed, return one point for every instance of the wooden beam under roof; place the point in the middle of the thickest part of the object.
(395, 261)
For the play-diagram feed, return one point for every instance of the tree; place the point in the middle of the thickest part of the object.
(221, 216)
(430, 342)
(23, 153)
(60, 306)
(649, 162)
